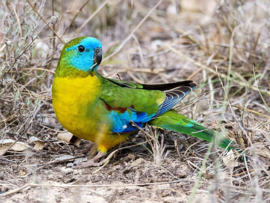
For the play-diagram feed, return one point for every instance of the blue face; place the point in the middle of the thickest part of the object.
(86, 55)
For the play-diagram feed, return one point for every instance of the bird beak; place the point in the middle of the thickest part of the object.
(98, 57)
(97, 61)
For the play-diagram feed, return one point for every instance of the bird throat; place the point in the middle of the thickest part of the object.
(71, 72)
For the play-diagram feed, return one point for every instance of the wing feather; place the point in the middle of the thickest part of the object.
(139, 102)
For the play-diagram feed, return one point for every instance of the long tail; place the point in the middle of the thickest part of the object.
(172, 120)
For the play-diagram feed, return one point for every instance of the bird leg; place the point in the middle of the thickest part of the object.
(92, 162)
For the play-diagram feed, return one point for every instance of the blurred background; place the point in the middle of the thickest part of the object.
(222, 45)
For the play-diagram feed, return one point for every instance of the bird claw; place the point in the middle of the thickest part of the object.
(92, 162)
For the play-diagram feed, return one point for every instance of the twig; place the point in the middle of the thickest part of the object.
(243, 173)
(18, 20)
(94, 185)
(106, 161)
(96, 11)
(25, 49)
(189, 148)
(43, 69)
(53, 25)
(133, 31)
(75, 17)
(228, 78)
(15, 191)
(252, 111)
(45, 22)
(194, 73)
(189, 37)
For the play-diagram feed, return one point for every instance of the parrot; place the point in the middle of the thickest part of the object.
(104, 110)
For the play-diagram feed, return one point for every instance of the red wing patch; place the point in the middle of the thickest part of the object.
(109, 108)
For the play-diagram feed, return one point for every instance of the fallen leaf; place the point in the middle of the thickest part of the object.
(69, 138)
(229, 160)
(39, 145)
(20, 146)
(5, 144)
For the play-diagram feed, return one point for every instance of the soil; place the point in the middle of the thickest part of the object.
(130, 176)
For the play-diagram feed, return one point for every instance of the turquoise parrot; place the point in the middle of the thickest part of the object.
(103, 110)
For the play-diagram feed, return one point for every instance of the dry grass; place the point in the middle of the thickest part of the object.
(222, 46)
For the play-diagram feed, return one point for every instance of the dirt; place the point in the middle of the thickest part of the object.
(130, 176)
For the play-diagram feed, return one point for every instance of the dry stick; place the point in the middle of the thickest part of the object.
(189, 37)
(25, 49)
(45, 22)
(206, 41)
(43, 69)
(227, 87)
(96, 11)
(53, 25)
(75, 17)
(28, 46)
(106, 161)
(257, 40)
(15, 191)
(133, 31)
(252, 111)
(80, 186)
(146, 134)
(189, 148)
(18, 20)
(211, 88)
(177, 148)
(215, 72)
(243, 173)
(194, 73)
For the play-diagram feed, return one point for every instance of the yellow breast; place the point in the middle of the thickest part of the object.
(74, 102)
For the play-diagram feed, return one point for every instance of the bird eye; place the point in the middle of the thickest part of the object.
(81, 48)
(97, 50)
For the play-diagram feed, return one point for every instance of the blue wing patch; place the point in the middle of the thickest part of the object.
(121, 121)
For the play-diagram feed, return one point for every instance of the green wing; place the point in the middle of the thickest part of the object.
(119, 94)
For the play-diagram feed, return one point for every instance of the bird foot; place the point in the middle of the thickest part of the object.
(92, 162)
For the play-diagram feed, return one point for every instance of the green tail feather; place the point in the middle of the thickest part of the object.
(174, 121)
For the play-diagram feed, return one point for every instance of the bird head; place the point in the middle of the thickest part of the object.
(80, 56)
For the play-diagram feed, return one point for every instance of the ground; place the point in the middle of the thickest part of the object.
(221, 45)
(129, 177)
